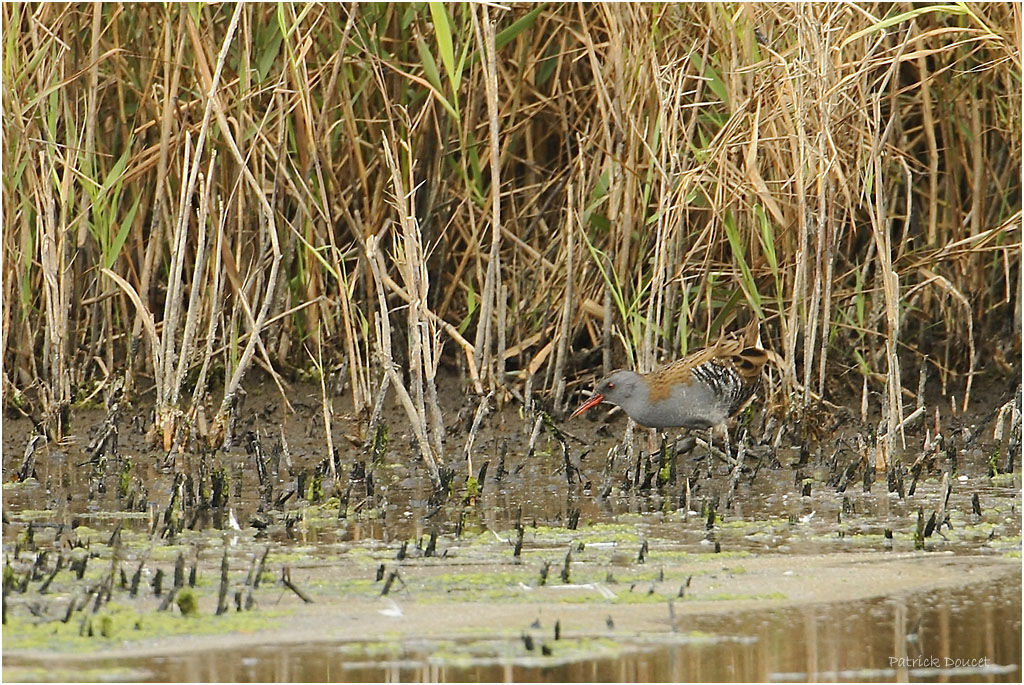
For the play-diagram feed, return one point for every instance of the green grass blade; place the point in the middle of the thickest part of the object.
(443, 33)
(428, 63)
(766, 236)
(747, 281)
(611, 281)
(723, 313)
(112, 250)
(957, 9)
(714, 80)
(509, 33)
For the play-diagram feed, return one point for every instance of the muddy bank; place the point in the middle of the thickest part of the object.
(431, 606)
(779, 621)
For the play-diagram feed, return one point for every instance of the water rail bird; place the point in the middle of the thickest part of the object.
(700, 391)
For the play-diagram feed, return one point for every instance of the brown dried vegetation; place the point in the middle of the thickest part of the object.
(192, 190)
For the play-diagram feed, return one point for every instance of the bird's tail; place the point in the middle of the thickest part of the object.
(751, 356)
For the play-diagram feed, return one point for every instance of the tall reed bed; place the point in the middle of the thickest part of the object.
(190, 191)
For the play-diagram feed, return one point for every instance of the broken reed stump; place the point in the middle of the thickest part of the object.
(286, 579)
(222, 594)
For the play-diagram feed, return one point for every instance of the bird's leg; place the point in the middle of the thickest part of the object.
(652, 441)
(713, 451)
(663, 476)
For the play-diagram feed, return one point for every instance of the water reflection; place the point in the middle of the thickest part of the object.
(970, 634)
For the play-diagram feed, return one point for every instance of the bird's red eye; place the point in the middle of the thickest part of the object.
(611, 386)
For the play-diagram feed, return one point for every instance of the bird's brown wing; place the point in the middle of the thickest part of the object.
(739, 352)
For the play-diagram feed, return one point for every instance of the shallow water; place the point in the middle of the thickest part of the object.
(969, 634)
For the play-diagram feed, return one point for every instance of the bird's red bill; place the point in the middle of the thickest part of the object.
(592, 402)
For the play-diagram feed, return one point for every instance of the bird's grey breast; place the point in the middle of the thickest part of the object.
(688, 405)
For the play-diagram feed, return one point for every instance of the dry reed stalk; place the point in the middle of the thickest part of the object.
(192, 313)
(453, 333)
(485, 337)
(820, 74)
(662, 178)
(420, 400)
(358, 373)
(214, 305)
(415, 414)
(893, 405)
(53, 249)
(565, 316)
(92, 108)
(327, 408)
(166, 392)
(270, 229)
(481, 411)
(161, 202)
(502, 314)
